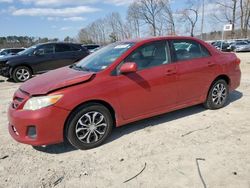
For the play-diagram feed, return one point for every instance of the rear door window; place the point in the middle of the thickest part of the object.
(63, 48)
(187, 50)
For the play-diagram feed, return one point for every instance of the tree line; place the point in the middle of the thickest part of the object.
(157, 18)
(26, 41)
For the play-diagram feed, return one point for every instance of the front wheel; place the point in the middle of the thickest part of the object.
(218, 95)
(21, 74)
(89, 126)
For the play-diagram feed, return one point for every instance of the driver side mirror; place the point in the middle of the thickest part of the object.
(130, 67)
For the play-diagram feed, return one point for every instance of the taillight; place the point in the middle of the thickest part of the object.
(238, 61)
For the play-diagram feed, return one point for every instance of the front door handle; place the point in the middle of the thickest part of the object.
(170, 72)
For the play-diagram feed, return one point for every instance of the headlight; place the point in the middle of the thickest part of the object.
(36, 103)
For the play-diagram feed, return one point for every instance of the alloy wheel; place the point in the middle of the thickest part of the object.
(219, 94)
(22, 74)
(91, 127)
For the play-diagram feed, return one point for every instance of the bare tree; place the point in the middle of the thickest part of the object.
(117, 26)
(202, 17)
(149, 11)
(168, 16)
(244, 17)
(190, 15)
(102, 31)
(133, 18)
(228, 13)
(84, 36)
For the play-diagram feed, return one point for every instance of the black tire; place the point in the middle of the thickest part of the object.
(81, 115)
(18, 76)
(216, 100)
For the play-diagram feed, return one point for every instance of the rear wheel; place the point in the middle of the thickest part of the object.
(218, 95)
(89, 126)
(21, 74)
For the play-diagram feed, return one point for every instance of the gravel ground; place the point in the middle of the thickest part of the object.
(192, 147)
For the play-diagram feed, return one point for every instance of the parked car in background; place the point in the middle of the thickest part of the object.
(222, 44)
(92, 47)
(10, 51)
(119, 84)
(240, 46)
(96, 49)
(39, 59)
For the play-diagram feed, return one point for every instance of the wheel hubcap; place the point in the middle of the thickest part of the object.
(219, 94)
(23, 74)
(91, 127)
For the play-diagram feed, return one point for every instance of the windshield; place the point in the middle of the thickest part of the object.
(101, 59)
(28, 51)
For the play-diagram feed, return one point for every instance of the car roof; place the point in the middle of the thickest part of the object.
(141, 41)
(149, 39)
(12, 48)
(91, 45)
(69, 43)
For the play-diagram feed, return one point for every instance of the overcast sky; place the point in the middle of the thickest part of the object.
(57, 18)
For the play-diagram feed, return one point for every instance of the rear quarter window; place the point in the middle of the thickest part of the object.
(76, 48)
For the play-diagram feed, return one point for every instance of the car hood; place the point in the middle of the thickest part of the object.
(12, 57)
(54, 80)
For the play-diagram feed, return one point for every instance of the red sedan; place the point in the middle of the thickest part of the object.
(121, 83)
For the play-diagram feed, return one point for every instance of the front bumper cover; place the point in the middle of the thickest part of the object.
(5, 70)
(39, 127)
(48, 122)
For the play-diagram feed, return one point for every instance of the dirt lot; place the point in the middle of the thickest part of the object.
(172, 147)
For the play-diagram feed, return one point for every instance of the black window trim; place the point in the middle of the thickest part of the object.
(173, 53)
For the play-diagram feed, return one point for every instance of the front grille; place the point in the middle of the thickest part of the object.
(19, 99)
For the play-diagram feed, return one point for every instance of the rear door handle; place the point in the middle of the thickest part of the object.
(170, 72)
(211, 64)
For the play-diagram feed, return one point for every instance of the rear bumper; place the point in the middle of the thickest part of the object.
(48, 123)
(235, 80)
